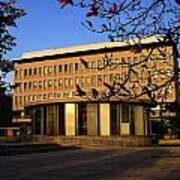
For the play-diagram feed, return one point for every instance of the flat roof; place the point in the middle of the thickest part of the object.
(87, 47)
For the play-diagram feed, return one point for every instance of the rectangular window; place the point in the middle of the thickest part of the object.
(40, 71)
(16, 73)
(40, 84)
(100, 81)
(60, 68)
(50, 83)
(70, 68)
(76, 67)
(30, 72)
(55, 69)
(45, 70)
(35, 71)
(65, 68)
(50, 69)
(93, 81)
(25, 72)
(60, 82)
(25, 86)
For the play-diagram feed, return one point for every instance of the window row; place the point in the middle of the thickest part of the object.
(74, 67)
(22, 100)
(83, 81)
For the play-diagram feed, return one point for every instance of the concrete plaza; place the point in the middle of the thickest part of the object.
(94, 163)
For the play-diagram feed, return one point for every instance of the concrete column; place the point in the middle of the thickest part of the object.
(139, 120)
(104, 119)
(92, 119)
(70, 119)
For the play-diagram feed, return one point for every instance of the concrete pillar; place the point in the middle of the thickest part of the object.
(104, 119)
(70, 119)
(92, 119)
(139, 120)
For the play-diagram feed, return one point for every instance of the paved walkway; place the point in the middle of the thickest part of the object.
(106, 164)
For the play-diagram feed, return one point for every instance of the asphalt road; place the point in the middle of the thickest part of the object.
(98, 163)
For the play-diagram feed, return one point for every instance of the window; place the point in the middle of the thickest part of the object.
(88, 81)
(70, 68)
(77, 80)
(45, 96)
(111, 78)
(34, 84)
(30, 72)
(50, 70)
(45, 70)
(71, 82)
(35, 71)
(82, 81)
(55, 69)
(40, 84)
(66, 82)
(25, 72)
(106, 78)
(118, 77)
(60, 68)
(16, 73)
(65, 68)
(60, 83)
(99, 64)
(93, 64)
(40, 71)
(30, 85)
(99, 80)
(50, 83)
(93, 80)
(25, 86)
(55, 83)
(76, 67)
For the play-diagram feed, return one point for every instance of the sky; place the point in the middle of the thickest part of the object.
(47, 26)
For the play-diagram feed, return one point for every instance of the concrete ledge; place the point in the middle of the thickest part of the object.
(131, 141)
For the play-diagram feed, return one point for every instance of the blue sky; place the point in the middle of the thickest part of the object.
(46, 25)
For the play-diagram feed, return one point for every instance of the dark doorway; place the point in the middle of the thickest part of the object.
(37, 121)
(82, 119)
(61, 119)
(132, 121)
(114, 119)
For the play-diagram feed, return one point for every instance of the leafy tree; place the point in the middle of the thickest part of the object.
(9, 14)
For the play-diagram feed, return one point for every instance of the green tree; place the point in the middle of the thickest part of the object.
(9, 14)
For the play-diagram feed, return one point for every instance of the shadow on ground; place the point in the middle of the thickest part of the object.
(14, 149)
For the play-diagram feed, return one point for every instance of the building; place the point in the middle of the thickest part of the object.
(50, 80)
(5, 113)
(5, 110)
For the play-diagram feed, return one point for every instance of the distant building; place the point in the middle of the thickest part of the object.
(49, 80)
(5, 110)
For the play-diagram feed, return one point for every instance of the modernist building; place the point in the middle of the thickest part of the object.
(50, 80)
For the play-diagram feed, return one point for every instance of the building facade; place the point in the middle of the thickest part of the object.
(72, 91)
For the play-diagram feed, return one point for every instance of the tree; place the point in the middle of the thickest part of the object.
(9, 14)
(132, 21)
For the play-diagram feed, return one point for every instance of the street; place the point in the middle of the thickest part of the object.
(94, 163)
